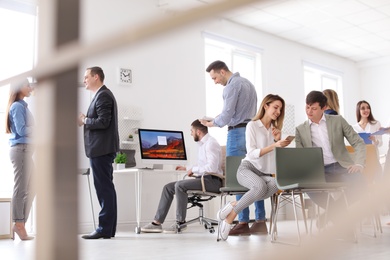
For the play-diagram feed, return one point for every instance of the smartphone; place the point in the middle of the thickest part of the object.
(290, 138)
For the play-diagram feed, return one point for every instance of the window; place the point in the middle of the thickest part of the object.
(17, 51)
(320, 78)
(239, 57)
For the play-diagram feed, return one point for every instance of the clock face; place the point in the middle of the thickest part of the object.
(125, 76)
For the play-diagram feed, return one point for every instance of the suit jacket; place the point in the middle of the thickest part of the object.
(101, 135)
(338, 128)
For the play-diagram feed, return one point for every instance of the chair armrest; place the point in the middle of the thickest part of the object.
(202, 178)
(216, 175)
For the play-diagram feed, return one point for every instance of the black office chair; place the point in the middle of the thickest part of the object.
(196, 197)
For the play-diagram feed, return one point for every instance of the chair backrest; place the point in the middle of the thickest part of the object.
(299, 165)
(373, 167)
(232, 163)
(223, 150)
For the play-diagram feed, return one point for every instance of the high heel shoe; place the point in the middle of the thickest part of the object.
(21, 231)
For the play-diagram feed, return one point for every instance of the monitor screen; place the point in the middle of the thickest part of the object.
(162, 146)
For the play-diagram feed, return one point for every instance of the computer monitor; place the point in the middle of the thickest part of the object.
(159, 147)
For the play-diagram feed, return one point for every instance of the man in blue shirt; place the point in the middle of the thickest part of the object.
(239, 107)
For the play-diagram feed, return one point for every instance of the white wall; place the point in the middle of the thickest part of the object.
(169, 71)
(375, 82)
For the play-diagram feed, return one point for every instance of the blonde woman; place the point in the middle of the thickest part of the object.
(262, 135)
(332, 104)
(19, 124)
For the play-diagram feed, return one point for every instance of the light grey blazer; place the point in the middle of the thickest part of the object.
(338, 128)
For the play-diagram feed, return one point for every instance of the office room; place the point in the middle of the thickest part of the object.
(168, 91)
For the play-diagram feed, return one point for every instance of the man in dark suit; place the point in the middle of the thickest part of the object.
(101, 141)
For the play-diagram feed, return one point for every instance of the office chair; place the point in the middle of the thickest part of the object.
(231, 187)
(87, 172)
(196, 197)
(300, 170)
(371, 172)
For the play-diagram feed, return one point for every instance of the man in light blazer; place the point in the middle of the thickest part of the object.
(101, 141)
(328, 132)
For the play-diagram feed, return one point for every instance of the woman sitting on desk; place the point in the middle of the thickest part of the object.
(262, 135)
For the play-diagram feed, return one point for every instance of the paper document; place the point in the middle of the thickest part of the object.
(382, 131)
(208, 118)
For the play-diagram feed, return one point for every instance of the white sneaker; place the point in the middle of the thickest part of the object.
(150, 228)
(224, 230)
(224, 212)
(174, 228)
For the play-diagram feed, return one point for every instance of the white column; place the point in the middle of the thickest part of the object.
(56, 137)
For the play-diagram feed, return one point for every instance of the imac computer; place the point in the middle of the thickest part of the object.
(162, 147)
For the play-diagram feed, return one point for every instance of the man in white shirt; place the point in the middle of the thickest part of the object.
(209, 161)
(328, 132)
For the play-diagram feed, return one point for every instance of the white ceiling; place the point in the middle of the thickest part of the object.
(355, 29)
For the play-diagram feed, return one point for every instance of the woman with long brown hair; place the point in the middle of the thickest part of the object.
(19, 124)
(366, 122)
(262, 135)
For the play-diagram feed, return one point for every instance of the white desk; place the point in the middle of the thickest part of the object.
(6, 218)
(138, 187)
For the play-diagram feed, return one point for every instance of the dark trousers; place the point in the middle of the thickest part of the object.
(354, 183)
(180, 188)
(106, 194)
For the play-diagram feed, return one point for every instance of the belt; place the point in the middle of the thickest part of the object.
(237, 126)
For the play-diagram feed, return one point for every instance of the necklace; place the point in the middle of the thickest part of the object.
(363, 125)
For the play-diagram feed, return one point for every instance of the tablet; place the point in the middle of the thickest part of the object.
(290, 138)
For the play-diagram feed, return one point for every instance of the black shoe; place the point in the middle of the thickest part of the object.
(96, 235)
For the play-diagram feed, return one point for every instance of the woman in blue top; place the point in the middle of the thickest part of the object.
(19, 124)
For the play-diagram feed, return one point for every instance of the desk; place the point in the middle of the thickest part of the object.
(6, 218)
(138, 187)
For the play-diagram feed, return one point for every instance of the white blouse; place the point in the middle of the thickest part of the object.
(370, 128)
(258, 137)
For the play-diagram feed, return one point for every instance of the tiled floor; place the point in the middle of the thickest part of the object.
(197, 243)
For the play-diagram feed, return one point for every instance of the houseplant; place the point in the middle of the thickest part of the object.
(120, 160)
(130, 138)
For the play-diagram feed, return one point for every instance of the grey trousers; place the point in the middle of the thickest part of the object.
(21, 159)
(212, 184)
(260, 186)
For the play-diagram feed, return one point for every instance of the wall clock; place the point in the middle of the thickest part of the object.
(125, 76)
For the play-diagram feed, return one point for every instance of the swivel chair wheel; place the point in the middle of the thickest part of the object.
(212, 230)
(137, 230)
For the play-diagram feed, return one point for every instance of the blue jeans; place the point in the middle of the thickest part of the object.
(243, 216)
(236, 146)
